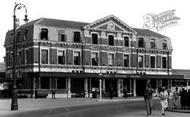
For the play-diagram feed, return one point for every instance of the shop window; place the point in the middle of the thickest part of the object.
(140, 61)
(152, 44)
(76, 37)
(141, 43)
(61, 57)
(44, 34)
(76, 58)
(94, 59)
(110, 59)
(61, 83)
(152, 61)
(110, 39)
(44, 56)
(164, 62)
(126, 41)
(45, 83)
(94, 38)
(126, 60)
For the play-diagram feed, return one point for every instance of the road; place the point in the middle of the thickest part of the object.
(126, 109)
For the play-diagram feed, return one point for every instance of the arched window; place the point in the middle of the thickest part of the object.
(141, 43)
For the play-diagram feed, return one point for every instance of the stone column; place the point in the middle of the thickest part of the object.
(86, 87)
(69, 87)
(134, 88)
(34, 87)
(119, 87)
(130, 87)
(104, 84)
(100, 87)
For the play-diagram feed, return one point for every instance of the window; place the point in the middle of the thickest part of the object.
(62, 38)
(141, 43)
(140, 61)
(61, 57)
(94, 38)
(164, 62)
(76, 58)
(126, 41)
(44, 34)
(110, 59)
(61, 83)
(25, 34)
(126, 60)
(27, 56)
(44, 56)
(110, 40)
(95, 59)
(76, 36)
(18, 36)
(152, 44)
(152, 61)
(19, 58)
(45, 83)
(164, 45)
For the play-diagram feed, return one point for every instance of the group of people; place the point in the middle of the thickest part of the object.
(180, 98)
(162, 94)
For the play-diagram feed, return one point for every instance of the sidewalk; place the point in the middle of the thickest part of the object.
(42, 105)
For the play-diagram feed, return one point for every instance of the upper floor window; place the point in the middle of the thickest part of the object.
(18, 36)
(164, 62)
(110, 59)
(95, 59)
(61, 57)
(152, 61)
(25, 34)
(141, 43)
(164, 45)
(44, 56)
(152, 44)
(76, 37)
(76, 58)
(62, 37)
(94, 38)
(44, 34)
(110, 40)
(126, 41)
(27, 56)
(126, 60)
(140, 61)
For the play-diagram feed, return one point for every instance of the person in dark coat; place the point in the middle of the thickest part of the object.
(183, 94)
(53, 93)
(148, 98)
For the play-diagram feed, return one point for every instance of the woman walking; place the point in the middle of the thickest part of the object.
(163, 100)
(148, 98)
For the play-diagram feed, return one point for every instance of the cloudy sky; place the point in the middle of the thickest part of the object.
(129, 11)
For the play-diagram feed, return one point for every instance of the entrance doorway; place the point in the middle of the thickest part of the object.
(111, 83)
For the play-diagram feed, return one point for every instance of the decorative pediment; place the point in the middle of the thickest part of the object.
(110, 23)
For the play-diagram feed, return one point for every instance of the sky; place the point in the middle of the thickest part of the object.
(129, 11)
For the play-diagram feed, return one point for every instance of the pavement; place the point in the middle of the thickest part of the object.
(43, 107)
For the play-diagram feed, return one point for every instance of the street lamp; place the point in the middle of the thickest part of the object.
(14, 103)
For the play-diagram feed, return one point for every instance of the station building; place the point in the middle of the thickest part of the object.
(75, 57)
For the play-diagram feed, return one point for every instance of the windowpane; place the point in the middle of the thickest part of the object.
(110, 59)
(76, 58)
(126, 60)
(141, 43)
(76, 36)
(110, 39)
(94, 39)
(152, 44)
(126, 41)
(164, 62)
(44, 34)
(140, 61)
(95, 59)
(152, 61)
(61, 57)
(44, 56)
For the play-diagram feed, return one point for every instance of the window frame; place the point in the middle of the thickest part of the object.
(162, 62)
(124, 60)
(63, 50)
(154, 45)
(97, 57)
(154, 61)
(128, 40)
(112, 59)
(79, 58)
(142, 61)
(143, 44)
(113, 39)
(41, 34)
(47, 56)
(74, 40)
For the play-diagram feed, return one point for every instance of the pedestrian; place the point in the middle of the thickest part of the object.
(53, 93)
(148, 98)
(125, 91)
(163, 100)
(175, 99)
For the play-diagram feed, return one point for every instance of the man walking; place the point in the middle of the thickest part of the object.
(148, 98)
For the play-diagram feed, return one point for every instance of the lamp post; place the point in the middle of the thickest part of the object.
(14, 103)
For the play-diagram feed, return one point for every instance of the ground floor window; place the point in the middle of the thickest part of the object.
(45, 83)
(61, 83)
